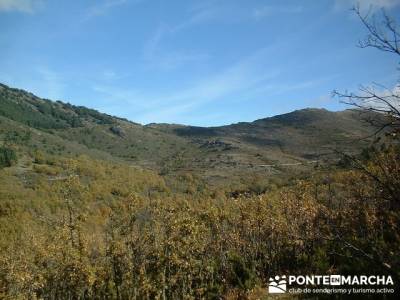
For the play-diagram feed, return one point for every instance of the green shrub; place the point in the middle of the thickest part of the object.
(39, 157)
(8, 157)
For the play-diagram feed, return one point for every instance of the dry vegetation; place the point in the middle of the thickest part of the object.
(74, 227)
(105, 231)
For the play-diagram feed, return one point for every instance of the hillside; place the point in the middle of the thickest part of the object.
(64, 129)
(295, 140)
(97, 207)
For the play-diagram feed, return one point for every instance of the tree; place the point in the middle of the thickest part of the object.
(383, 35)
(376, 188)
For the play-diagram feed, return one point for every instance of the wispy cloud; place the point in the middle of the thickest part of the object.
(25, 6)
(366, 4)
(122, 97)
(110, 75)
(145, 107)
(238, 82)
(40, 80)
(273, 89)
(243, 76)
(207, 12)
(105, 6)
(203, 12)
(51, 82)
(156, 56)
(268, 10)
(322, 101)
(200, 13)
(248, 79)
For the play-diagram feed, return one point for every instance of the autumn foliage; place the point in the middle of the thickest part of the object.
(105, 231)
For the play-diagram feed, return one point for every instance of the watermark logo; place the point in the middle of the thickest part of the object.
(277, 285)
(331, 284)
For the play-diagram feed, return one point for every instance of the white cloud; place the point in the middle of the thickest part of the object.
(366, 4)
(26, 6)
(268, 10)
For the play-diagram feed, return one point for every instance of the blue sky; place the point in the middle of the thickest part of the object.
(208, 62)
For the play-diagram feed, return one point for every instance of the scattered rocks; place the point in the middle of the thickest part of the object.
(217, 144)
(117, 130)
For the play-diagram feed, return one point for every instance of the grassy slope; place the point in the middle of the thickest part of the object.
(217, 153)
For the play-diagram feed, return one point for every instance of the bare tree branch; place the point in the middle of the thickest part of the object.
(378, 98)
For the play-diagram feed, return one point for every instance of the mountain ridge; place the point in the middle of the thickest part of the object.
(64, 105)
(297, 137)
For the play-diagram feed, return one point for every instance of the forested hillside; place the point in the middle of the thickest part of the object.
(96, 207)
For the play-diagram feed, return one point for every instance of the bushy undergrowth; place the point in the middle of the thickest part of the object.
(104, 231)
